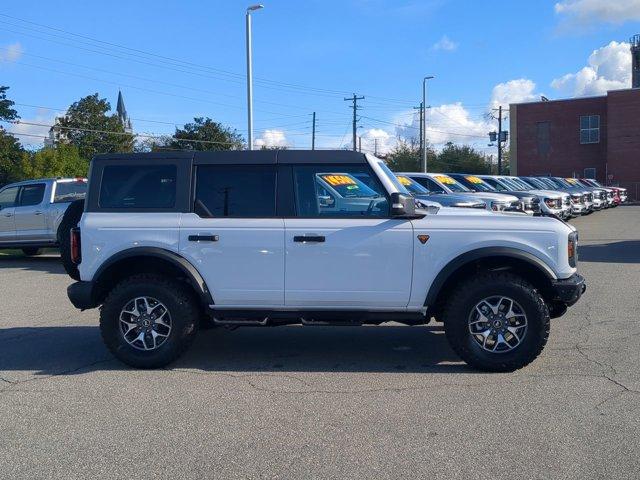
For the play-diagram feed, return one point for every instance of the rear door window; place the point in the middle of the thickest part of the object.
(31, 195)
(138, 186)
(246, 191)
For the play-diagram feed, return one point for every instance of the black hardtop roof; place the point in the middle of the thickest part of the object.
(243, 156)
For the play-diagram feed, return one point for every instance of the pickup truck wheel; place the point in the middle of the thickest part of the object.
(70, 220)
(147, 321)
(496, 322)
(31, 251)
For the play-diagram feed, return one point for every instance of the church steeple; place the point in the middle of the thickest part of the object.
(122, 113)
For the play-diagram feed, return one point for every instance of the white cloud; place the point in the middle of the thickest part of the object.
(445, 123)
(377, 139)
(446, 44)
(595, 11)
(11, 53)
(27, 129)
(608, 68)
(513, 91)
(272, 138)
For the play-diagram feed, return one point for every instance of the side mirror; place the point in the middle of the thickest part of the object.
(402, 205)
(326, 201)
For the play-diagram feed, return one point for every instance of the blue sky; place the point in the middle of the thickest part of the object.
(307, 56)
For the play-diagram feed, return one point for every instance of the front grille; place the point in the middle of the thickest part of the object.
(589, 197)
(566, 201)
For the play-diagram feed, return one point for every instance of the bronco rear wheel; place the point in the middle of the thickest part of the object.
(496, 322)
(147, 321)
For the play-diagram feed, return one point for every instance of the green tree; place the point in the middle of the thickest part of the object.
(11, 152)
(6, 106)
(59, 161)
(407, 157)
(89, 126)
(205, 134)
(11, 157)
(460, 158)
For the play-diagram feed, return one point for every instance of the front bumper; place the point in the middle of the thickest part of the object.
(81, 295)
(568, 291)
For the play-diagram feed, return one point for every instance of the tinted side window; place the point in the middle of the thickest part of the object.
(235, 191)
(32, 194)
(138, 186)
(8, 197)
(338, 191)
(69, 191)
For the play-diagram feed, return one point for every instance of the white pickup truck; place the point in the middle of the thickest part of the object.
(31, 212)
(168, 240)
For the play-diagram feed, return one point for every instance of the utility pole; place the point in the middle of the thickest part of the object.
(424, 120)
(500, 140)
(250, 9)
(313, 133)
(354, 101)
(360, 144)
(421, 115)
(375, 147)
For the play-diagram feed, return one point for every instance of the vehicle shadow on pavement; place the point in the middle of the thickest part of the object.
(626, 251)
(71, 350)
(47, 264)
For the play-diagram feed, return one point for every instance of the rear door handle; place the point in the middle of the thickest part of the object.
(203, 238)
(8, 214)
(309, 238)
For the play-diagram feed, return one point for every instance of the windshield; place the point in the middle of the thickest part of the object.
(536, 183)
(511, 185)
(70, 191)
(495, 184)
(347, 185)
(449, 183)
(413, 187)
(563, 183)
(392, 178)
(522, 184)
(475, 183)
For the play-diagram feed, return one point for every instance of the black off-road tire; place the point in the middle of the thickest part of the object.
(464, 299)
(31, 251)
(183, 308)
(70, 220)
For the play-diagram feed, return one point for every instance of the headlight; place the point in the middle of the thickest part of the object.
(497, 206)
(550, 202)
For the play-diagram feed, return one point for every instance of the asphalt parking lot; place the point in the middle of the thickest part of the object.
(314, 402)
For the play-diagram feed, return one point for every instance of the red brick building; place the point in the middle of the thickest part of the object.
(596, 137)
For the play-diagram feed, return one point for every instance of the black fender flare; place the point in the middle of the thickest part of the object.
(480, 253)
(191, 273)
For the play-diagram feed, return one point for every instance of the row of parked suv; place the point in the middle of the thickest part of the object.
(561, 197)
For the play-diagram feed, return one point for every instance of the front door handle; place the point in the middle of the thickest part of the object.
(203, 238)
(309, 238)
(8, 214)
(38, 212)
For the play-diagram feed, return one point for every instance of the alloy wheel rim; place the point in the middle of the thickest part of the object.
(145, 323)
(498, 324)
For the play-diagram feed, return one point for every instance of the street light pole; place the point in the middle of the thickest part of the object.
(250, 76)
(424, 121)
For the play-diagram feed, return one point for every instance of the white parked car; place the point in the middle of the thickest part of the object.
(169, 240)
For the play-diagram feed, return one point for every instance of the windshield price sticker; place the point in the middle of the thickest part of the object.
(444, 179)
(571, 180)
(339, 180)
(473, 179)
(404, 180)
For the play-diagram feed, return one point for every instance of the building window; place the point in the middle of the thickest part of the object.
(543, 137)
(589, 129)
(589, 173)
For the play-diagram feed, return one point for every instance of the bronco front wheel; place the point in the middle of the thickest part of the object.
(496, 322)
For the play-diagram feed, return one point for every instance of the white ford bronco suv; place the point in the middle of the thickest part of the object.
(171, 240)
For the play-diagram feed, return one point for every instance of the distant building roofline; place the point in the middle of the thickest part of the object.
(573, 99)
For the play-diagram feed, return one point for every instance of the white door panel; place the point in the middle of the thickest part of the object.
(363, 263)
(244, 266)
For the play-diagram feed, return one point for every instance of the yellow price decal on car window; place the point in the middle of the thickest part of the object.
(338, 180)
(445, 180)
(473, 179)
(404, 180)
(571, 180)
